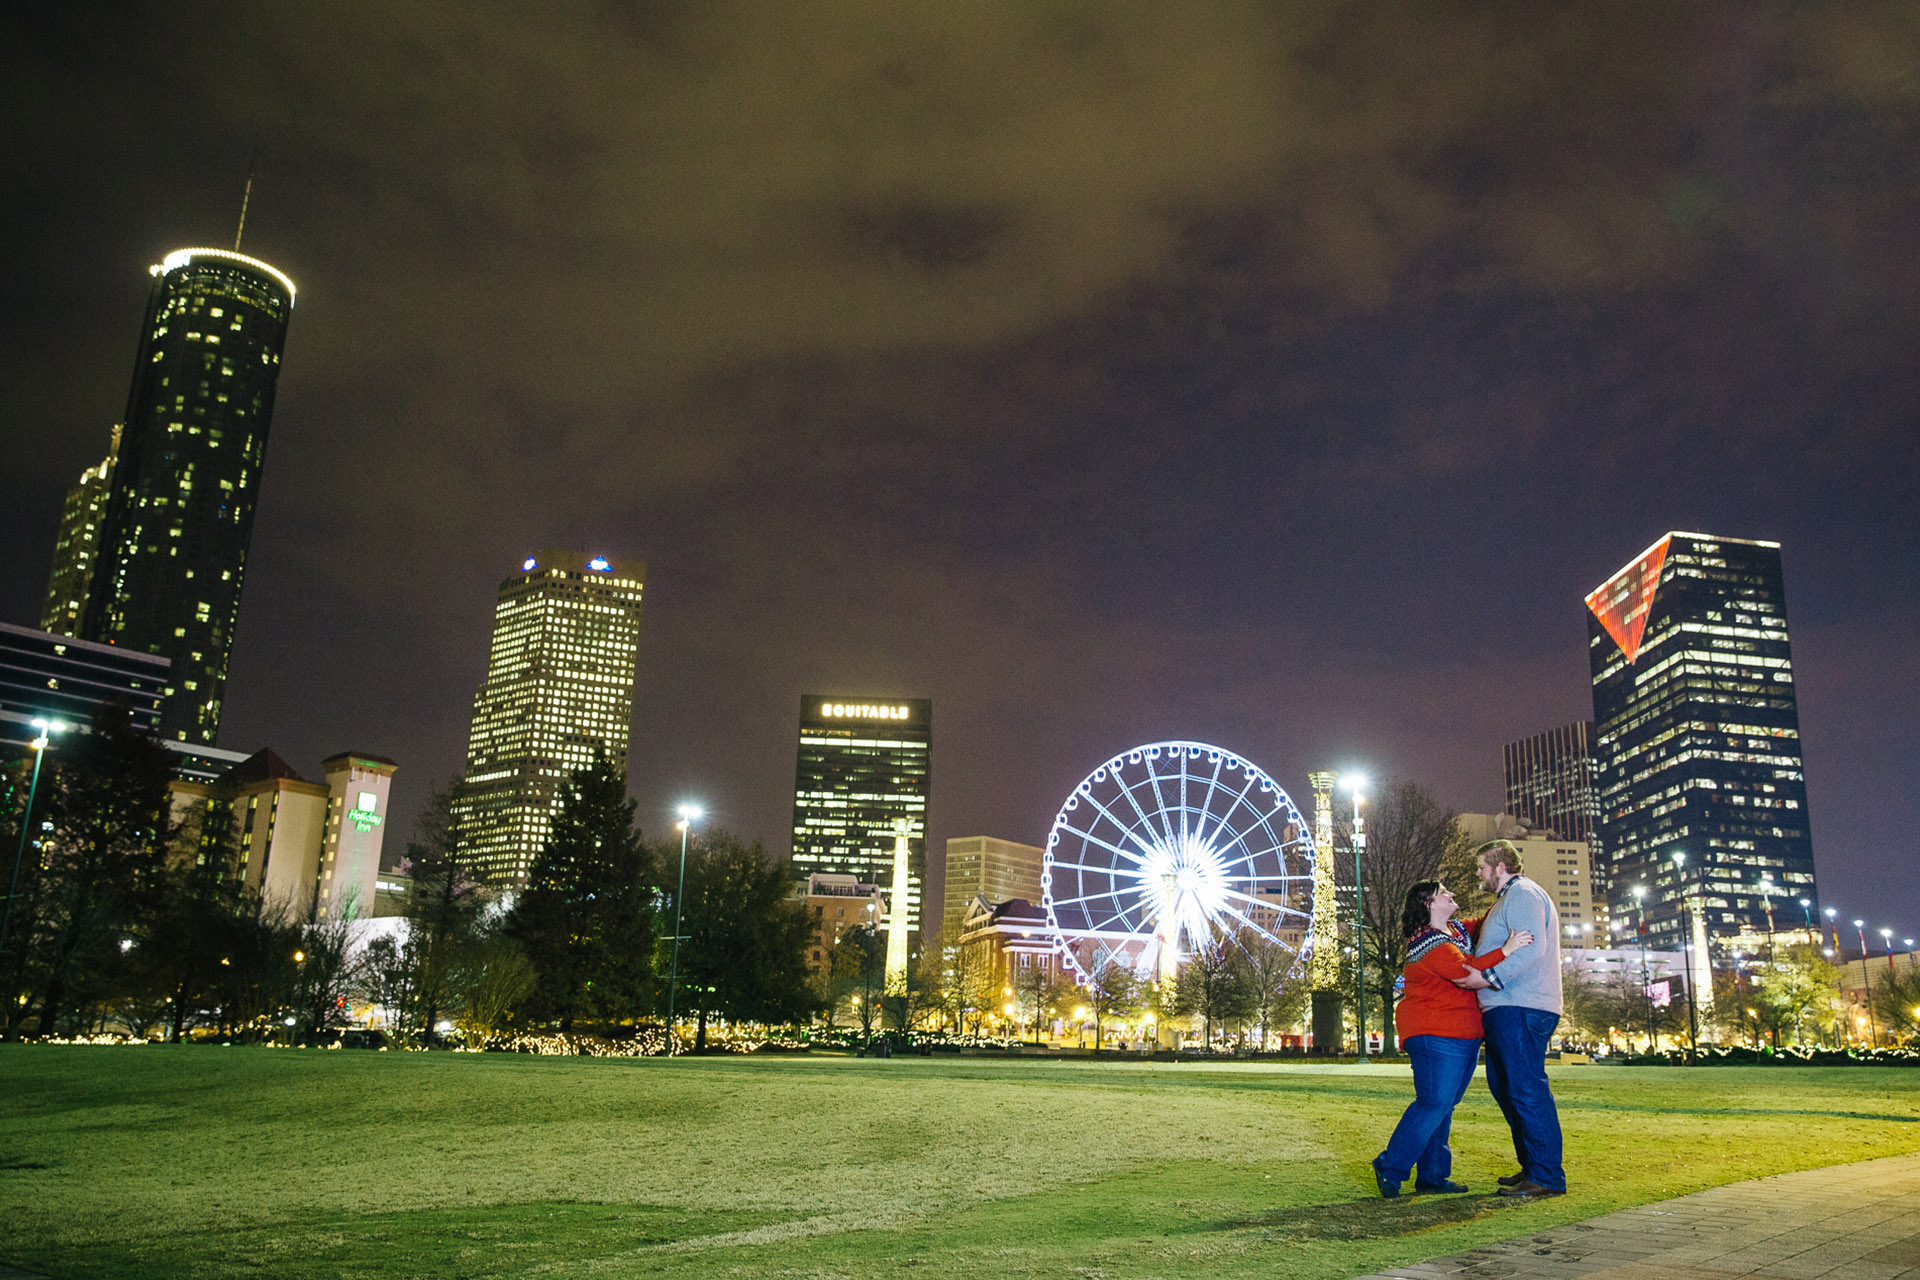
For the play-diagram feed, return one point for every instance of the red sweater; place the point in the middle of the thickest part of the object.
(1431, 1004)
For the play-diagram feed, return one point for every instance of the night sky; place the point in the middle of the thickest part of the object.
(1281, 376)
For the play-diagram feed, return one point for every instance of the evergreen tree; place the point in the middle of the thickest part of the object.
(744, 954)
(98, 879)
(585, 919)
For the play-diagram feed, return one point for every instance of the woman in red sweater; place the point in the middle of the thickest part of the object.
(1439, 1022)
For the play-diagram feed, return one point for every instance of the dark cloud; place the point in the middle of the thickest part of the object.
(1283, 374)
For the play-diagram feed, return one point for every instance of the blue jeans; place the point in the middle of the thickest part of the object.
(1517, 1075)
(1442, 1070)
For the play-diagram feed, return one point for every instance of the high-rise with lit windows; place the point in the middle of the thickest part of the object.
(1697, 738)
(77, 547)
(1550, 787)
(558, 689)
(178, 515)
(863, 763)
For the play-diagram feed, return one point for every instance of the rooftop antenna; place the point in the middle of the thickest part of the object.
(244, 198)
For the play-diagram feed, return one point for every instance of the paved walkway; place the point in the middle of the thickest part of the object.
(1851, 1222)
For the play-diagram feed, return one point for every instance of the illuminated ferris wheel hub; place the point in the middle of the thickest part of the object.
(1171, 847)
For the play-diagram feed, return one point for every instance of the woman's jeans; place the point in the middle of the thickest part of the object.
(1442, 1070)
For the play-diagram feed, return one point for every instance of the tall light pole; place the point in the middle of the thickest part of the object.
(1686, 952)
(47, 729)
(1766, 897)
(689, 814)
(1357, 784)
(1834, 925)
(1646, 977)
(1866, 976)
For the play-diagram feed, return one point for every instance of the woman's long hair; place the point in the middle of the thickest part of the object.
(1418, 913)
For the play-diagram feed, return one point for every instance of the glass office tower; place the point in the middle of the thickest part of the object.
(559, 688)
(1550, 786)
(179, 510)
(863, 762)
(1697, 736)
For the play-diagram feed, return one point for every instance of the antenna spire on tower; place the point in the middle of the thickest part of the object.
(246, 196)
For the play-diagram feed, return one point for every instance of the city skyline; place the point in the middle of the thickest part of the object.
(1136, 387)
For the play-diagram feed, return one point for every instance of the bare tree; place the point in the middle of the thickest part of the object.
(1409, 837)
(1276, 980)
(1115, 992)
(1213, 984)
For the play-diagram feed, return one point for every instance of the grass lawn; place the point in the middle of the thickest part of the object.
(152, 1161)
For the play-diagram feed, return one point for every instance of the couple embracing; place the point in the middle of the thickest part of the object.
(1498, 978)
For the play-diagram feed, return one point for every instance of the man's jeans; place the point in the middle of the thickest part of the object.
(1442, 1070)
(1517, 1075)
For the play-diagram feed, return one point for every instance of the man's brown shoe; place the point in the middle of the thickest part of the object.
(1511, 1179)
(1527, 1189)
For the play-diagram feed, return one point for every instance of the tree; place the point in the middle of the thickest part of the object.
(1896, 1002)
(744, 954)
(491, 976)
(1409, 836)
(99, 877)
(965, 989)
(1276, 980)
(1213, 984)
(325, 979)
(1797, 986)
(585, 919)
(858, 973)
(1115, 992)
(443, 910)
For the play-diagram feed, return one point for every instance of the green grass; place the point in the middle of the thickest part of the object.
(134, 1162)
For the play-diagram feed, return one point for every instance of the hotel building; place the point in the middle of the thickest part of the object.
(558, 690)
(1697, 738)
(863, 763)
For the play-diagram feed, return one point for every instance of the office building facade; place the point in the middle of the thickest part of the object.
(863, 763)
(178, 516)
(985, 867)
(1697, 739)
(1550, 787)
(44, 676)
(558, 689)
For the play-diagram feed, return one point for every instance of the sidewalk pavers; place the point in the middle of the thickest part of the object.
(1850, 1222)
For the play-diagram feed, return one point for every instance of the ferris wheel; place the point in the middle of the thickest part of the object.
(1171, 847)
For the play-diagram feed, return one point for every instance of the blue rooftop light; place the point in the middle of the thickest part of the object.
(598, 564)
(530, 565)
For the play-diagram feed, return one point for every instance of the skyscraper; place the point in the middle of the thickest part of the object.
(1550, 787)
(559, 688)
(179, 509)
(863, 762)
(77, 547)
(1698, 739)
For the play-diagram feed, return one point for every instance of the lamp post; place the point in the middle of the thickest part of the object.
(1686, 953)
(689, 813)
(1866, 976)
(47, 729)
(1357, 783)
(1646, 978)
(1834, 925)
(1766, 900)
(1806, 909)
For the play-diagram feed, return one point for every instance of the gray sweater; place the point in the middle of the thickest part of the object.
(1530, 978)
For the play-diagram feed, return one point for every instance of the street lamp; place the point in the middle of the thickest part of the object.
(1646, 978)
(1766, 898)
(689, 814)
(1357, 783)
(1834, 925)
(47, 729)
(1866, 977)
(1686, 952)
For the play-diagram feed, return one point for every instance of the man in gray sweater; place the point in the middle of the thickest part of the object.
(1520, 1008)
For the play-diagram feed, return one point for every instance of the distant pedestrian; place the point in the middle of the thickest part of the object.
(1520, 1009)
(1439, 1020)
